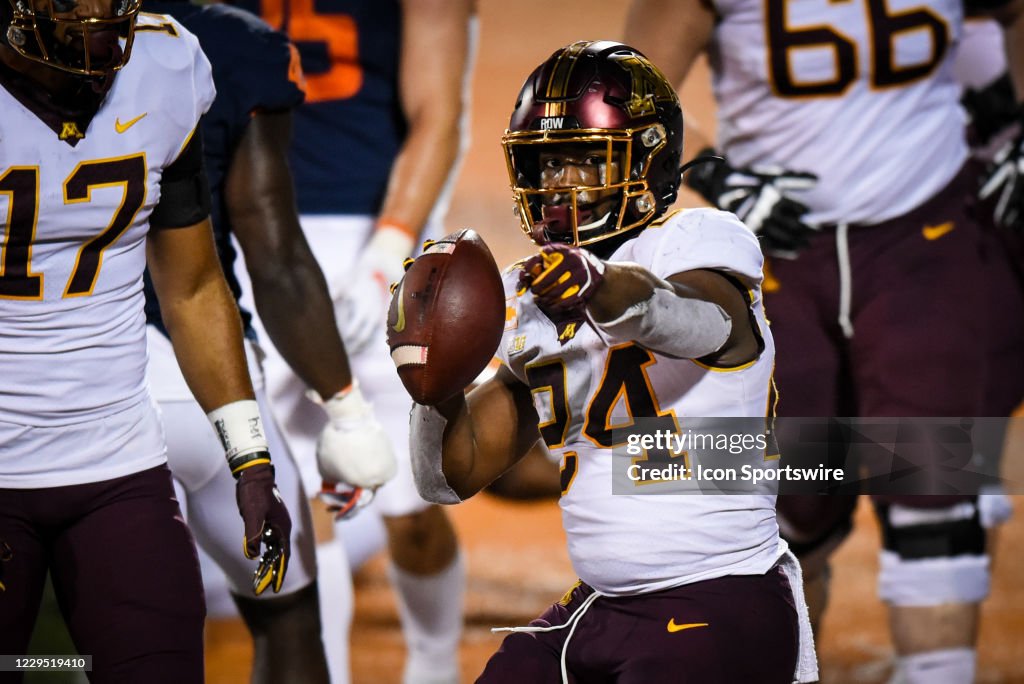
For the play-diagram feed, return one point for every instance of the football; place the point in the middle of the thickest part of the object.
(446, 317)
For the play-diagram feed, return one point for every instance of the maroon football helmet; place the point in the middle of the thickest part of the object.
(608, 104)
(46, 31)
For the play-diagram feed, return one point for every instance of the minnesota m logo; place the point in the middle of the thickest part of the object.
(649, 85)
(69, 131)
(567, 333)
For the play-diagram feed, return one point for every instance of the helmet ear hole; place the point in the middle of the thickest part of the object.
(644, 203)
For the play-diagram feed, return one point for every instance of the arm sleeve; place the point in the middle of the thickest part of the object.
(974, 8)
(184, 189)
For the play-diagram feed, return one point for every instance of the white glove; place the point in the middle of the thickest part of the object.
(363, 305)
(353, 448)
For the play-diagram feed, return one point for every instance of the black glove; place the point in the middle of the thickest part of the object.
(757, 196)
(266, 522)
(990, 109)
(1004, 184)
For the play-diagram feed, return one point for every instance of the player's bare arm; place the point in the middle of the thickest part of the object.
(487, 432)
(200, 314)
(670, 33)
(289, 289)
(202, 320)
(294, 303)
(435, 53)
(436, 44)
(673, 35)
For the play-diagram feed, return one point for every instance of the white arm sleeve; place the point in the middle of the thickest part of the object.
(426, 438)
(673, 325)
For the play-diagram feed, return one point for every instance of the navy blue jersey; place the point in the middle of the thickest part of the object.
(351, 127)
(253, 70)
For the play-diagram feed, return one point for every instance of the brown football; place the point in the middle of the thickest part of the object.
(446, 317)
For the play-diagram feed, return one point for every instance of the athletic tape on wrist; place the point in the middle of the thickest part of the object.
(240, 429)
(344, 403)
(388, 230)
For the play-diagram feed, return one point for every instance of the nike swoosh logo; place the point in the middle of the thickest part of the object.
(935, 232)
(400, 323)
(673, 627)
(122, 127)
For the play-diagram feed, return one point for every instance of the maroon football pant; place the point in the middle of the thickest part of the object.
(918, 293)
(731, 629)
(124, 570)
(936, 314)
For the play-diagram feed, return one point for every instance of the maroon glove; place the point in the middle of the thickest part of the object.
(266, 521)
(562, 279)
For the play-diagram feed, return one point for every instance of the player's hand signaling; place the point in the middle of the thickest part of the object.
(1004, 184)
(353, 452)
(364, 303)
(761, 197)
(266, 522)
(562, 279)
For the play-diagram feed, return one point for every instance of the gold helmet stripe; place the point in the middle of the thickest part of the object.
(558, 81)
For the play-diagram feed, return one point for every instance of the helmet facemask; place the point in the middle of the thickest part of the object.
(581, 186)
(42, 31)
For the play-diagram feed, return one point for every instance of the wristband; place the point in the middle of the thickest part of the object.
(240, 430)
(388, 224)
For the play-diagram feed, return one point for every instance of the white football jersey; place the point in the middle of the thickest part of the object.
(72, 328)
(860, 93)
(981, 58)
(583, 389)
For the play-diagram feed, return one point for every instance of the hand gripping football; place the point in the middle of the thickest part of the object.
(446, 317)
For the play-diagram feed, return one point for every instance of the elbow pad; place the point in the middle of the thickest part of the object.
(673, 325)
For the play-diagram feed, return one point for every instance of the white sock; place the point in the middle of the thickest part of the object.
(336, 606)
(947, 666)
(430, 607)
(363, 535)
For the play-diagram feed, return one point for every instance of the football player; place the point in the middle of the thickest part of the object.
(102, 173)
(376, 145)
(246, 135)
(846, 154)
(627, 314)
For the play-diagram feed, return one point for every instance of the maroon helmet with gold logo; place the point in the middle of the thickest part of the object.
(603, 102)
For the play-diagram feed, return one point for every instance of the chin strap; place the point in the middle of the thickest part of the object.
(703, 159)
